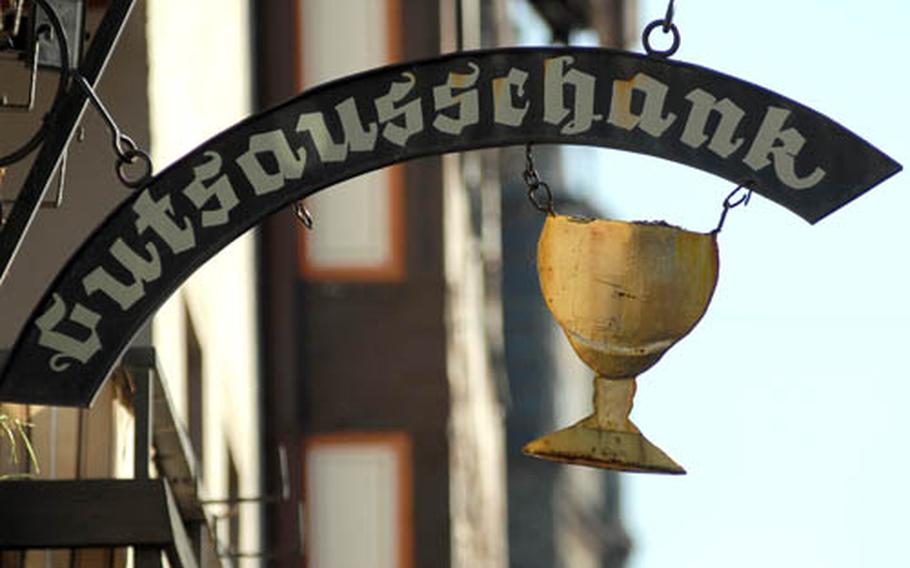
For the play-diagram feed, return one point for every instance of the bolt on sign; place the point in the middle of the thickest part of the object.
(748, 135)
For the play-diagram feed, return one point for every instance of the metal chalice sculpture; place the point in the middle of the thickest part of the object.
(623, 293)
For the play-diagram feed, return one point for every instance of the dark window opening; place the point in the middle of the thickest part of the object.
(195, 391)
(233, 497)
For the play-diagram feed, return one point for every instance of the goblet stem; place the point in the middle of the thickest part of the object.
(606, 438)
(613, 404)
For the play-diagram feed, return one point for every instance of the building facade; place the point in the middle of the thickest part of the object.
(191, 379)
(380, 369)
(355, 394)
(388, 368)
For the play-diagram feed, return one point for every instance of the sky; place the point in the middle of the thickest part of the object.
(788, 403)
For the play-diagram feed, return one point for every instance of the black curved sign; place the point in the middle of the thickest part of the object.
(161, 234)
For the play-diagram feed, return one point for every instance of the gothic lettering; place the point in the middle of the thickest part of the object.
(504, 112)
(356, 137)
(703, 104)
(725, 126)
(651, 119)
(222, 191)
(467, 102)
(556, 79)
(142, 270)
(158, 216)
(288, 164)
(65, 347)
(783, 145)
(411, 111)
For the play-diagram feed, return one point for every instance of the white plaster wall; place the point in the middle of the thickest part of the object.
(477, 477)
(476, 431)
(477, 474)
(199, 84)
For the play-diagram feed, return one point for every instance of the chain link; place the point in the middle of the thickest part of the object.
(668, 17)
(544, 203)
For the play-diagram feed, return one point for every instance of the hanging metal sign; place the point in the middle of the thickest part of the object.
(161, 234)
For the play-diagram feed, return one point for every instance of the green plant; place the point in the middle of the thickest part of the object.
(15, 431)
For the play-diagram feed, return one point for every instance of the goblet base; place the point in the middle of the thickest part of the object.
(607, 439)
(585, 443)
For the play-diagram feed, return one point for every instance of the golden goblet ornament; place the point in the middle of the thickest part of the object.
(623, 293)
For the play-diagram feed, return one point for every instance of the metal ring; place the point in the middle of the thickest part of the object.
(646, 39)
(303, 215)
(543, 207)
(129, 157)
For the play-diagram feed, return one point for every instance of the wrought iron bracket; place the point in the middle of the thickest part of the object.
(66, 118)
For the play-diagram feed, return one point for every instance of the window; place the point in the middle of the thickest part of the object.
(358, 500)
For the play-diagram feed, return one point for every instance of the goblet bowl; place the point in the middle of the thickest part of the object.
(623, 293)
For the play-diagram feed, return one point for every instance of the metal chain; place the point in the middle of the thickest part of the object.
(535, 185)
(668, 17)
(667, 26)
(731, 203)
(128, 152)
